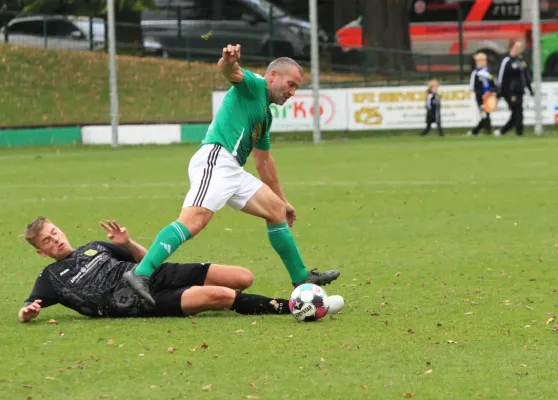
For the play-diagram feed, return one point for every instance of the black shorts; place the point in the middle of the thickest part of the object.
(167, 285)
(169, 282)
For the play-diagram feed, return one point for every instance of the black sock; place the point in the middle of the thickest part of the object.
(254, 304)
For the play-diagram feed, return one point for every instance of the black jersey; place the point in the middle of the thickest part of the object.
(433, 105)
(85, 280)
(514, 77)
(481, 82)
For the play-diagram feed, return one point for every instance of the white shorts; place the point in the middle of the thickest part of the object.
(216, 179)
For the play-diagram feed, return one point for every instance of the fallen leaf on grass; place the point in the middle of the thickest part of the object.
(555, 329)
(215, 355)
(451, 342)
(52, 321)
(523, 365)
(523, 373)
(428, 372)
(61, 333)
(45, 343)
(206, 388)
(388, 384)
(410, 331)
(275, 304)
(469, 313)
(364, 387)
(27, 386)
(110, 341)
(253, 386)
(121, 345)
(252, 397)
(171, 349)
(169, 331)
(204, 345)
(188, 363)
(239, 331)
(50, 378)
(322, 359)
(254, 322)
(320, 367)
(548, 321)
(397, 273)
(409, 394)
(527, 326)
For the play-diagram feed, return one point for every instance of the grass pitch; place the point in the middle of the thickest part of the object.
(447, 247)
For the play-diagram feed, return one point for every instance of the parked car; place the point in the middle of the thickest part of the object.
(64, 33)
(200, 28)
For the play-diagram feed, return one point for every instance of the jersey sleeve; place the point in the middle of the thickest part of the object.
(264, 143)
(44, 291)
(119, 252)
(251, 84)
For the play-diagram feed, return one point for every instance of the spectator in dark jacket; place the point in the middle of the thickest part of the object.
(513, 79)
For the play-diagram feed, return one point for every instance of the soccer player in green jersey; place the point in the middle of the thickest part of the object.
(217, 177)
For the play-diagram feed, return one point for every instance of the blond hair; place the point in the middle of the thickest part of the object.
(433, 83)
(480, 56)
(33, 229)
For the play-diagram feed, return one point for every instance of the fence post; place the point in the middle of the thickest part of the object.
(45, 32)
(91, 41)
(429, 66)
(179, 22)
(460, 29)
(270, 47)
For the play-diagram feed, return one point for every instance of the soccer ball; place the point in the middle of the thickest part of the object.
(308, 302)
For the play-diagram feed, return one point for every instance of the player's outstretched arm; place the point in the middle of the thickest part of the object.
(29, 312)
(265, 165)
(119, 236)
(228, 64)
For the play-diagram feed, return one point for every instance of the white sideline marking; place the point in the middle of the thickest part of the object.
(186, 184)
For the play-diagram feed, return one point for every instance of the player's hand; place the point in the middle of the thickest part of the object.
(31, 311)
(231, 54)
(116, 234)
(291, 214)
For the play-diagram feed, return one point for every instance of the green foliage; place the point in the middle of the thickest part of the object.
(84, 7)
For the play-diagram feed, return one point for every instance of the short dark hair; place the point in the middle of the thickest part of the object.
(281, 62)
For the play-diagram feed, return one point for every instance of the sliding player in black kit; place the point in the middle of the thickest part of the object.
(89, 280)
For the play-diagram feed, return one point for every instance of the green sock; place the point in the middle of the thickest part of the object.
(284, 244)
(167, 242)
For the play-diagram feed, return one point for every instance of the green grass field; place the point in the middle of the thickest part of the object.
(43, 87)
(447, 247)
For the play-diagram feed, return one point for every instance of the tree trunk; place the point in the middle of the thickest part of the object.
(386, 27)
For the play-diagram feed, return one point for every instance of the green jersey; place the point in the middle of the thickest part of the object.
(243, 121)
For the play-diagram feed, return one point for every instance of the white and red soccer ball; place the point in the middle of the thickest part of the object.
(308, 302)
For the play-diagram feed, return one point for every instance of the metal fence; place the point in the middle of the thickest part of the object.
(168, 34)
